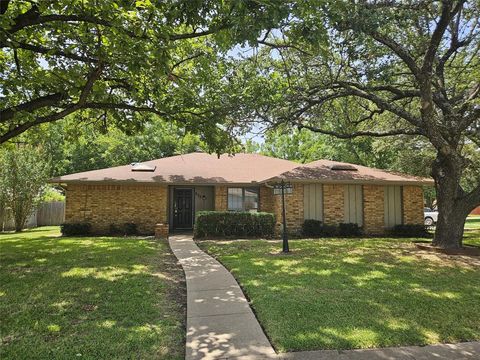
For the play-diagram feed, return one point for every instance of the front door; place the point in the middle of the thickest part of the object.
(182, 209)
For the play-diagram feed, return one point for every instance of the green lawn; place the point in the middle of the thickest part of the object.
(356, 293)
(473, 222)
(89, 298)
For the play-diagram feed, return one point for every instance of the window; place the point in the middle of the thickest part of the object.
(242, 199)
(353, 204)
(235, 199)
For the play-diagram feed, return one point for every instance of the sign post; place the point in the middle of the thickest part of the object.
(282, 189)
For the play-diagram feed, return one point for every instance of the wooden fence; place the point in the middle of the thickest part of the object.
(51, 213)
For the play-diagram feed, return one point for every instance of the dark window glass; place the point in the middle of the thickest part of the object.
(243, 199)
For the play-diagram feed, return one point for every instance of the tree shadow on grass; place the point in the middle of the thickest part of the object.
(94, 298)
(343, 294)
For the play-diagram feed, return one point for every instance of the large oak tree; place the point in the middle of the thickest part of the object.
(407, 68)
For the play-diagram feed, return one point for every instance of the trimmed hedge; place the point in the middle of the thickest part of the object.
(229, 224)
(410, 230)
(124, 229)
(316, 228)
(349, 229)
(75, 229)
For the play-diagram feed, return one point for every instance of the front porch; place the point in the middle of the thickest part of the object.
(184, 202)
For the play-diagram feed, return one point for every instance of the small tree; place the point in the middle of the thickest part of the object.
(24, 173)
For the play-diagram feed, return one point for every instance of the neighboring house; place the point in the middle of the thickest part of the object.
(170, 190)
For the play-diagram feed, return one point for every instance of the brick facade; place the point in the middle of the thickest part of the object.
(294, 210)
(146, 206)
(413, 205)
(266, 199)
(221, 198)
(373, 211)
(333, 209)
(161, 231)
(103, 205)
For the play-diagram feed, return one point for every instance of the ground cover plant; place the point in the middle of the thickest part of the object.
(340, 293)
(89, 297)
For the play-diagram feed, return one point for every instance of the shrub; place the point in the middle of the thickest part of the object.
(230, 224)
(114, 229)
(130, 229)
(315, 228)
(349, 229)
(72, 229)
(410, 230)
(124, 229)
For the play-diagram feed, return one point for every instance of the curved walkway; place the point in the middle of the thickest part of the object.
(221, 325)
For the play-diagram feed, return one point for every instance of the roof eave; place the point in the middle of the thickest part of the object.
(425, 182)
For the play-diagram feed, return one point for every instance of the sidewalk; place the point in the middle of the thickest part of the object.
(221, 325)
(461, 351)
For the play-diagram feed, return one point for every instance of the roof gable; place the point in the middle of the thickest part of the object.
(191, 168)
(335, 171)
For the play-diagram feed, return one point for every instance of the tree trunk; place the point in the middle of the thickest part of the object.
(19, 224)
(450, 224)
(19, 217)
(452, 207)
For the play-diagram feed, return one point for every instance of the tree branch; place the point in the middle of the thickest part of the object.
(410, 132)
(30, 106)
(43, 50)
(282, 46)
(438, 33)
(358, 90)
(401, 52)
(123, 106)
(17, 130)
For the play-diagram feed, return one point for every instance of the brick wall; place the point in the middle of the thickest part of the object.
(333, 208)
(413, 205)
(266, 199)
(221, 198)
(373, 211)
(294, 210)
(103, 205)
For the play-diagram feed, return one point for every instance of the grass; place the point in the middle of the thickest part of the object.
(356, 293)
(89, 298)
(473, 222)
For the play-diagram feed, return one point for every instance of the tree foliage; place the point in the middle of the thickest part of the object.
(71, 148)
(380, 69)
(23, 175)
(119, 60)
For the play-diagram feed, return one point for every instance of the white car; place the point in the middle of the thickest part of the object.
(430, 216)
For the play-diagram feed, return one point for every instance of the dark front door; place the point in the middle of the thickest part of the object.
(182, 209)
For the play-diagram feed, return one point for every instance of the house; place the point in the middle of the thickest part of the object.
(169, 191)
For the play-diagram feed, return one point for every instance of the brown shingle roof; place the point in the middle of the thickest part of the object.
(334, 171)
(191, 168)
(202, 168)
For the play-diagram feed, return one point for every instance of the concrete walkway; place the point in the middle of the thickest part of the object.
(461, 351)
(221, 325)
